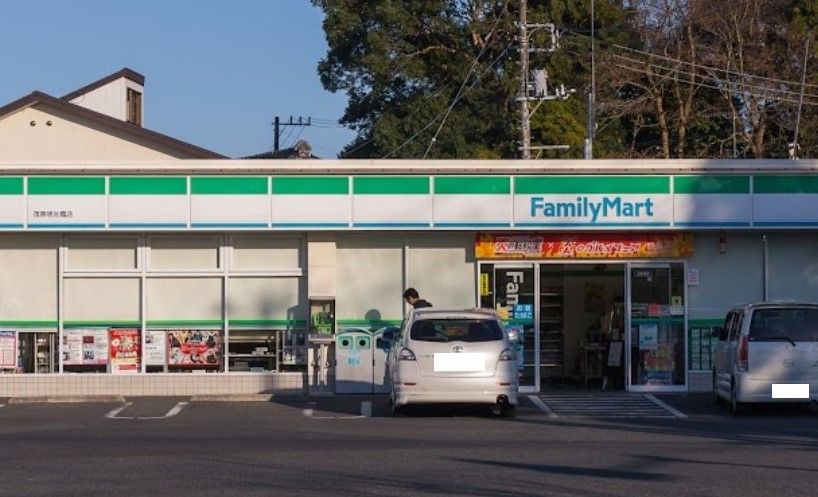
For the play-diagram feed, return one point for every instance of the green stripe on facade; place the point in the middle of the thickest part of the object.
(297, 323)
(591, 184)
(148, 185)
(310, 185)
(11, 186)
(704, 323)
(66, 185)
(229, 185)
(387, 185)
(711, 184)
(184, 322)
(785, 184)
(101, 324)
(379, 323)
(453, 185)
(28, 324)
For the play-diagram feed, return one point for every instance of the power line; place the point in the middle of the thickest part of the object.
(439, 116)
(715, 87)
(466, 79)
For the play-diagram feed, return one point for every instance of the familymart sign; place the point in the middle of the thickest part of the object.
(406, 202)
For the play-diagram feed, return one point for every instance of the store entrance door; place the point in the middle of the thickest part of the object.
(509, 290)
(657, 318)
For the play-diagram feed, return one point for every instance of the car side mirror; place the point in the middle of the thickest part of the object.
(721, 332)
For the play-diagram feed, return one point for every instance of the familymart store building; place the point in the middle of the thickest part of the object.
(212, 277)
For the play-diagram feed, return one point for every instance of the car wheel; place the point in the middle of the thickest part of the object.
(395, 409)
(736, 407)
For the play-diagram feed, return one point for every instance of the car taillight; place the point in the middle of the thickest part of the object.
(507, 355)
(406, 355)
(743, 353)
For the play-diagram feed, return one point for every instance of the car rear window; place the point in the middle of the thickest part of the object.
(451, 330)
(799, 324)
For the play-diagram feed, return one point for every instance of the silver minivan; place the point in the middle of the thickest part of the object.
(454, 356)
(767, 352)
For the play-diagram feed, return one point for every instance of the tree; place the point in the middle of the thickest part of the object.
(403, 63)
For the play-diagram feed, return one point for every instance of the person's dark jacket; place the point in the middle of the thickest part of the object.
(420, 303)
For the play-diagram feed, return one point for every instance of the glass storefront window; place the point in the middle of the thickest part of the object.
(657, 325)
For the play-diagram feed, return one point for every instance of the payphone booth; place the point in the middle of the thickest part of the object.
(321, 354)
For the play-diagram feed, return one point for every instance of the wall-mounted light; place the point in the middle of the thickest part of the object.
(722, 242)
(48, 123)
(32, 123)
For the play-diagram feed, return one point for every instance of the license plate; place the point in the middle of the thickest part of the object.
(791, 390)
(459, 362)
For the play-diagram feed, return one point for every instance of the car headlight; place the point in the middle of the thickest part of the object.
(406, 355)
(508, 355)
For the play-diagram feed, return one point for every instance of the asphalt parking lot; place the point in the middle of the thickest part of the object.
(352, 446)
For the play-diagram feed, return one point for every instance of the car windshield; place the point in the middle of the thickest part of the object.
(799, 324)
(451, 330)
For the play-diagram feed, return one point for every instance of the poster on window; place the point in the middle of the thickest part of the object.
(154, 348)
(8, 349)
(85, 347)
(659, 365)
(648, 336)
(124, 346)
(194, 349)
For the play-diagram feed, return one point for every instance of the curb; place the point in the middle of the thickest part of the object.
(73, 399)
(265, 397)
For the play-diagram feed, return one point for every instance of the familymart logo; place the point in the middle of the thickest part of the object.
(592, 209)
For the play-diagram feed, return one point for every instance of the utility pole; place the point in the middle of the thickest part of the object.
(278, 125)
(589, 141)
(525, 125)
(541, 91)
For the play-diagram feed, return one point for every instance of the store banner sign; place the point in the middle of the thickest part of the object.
(85, 347)
(421, 202)
(193, 349)
(583, 246)
(125, 346)
(593, 210)
(8, 349)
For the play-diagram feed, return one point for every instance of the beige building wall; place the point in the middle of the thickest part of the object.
(69, 138)
(111, 99)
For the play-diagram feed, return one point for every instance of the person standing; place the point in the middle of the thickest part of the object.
(412, 298)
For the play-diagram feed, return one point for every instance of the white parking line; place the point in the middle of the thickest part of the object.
(115, 411)
(114, 414)
(666, 407)
(542, 405)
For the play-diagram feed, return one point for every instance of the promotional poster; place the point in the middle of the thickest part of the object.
(85, 347)
(124, 345)
(194, 349)
(8, 349)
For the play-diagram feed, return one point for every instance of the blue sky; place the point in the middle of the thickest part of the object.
(217, 72)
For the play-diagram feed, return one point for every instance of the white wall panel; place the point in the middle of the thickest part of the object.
(184, 299)
(189, 252)
(266, 252)
(725, 279)
(267, 298)
(793, 266)
(28, 278)
(99, 253)
(98, 299)
(370, 277)
(442, 269)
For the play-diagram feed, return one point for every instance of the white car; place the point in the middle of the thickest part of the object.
(767, 352)
(460, 356)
